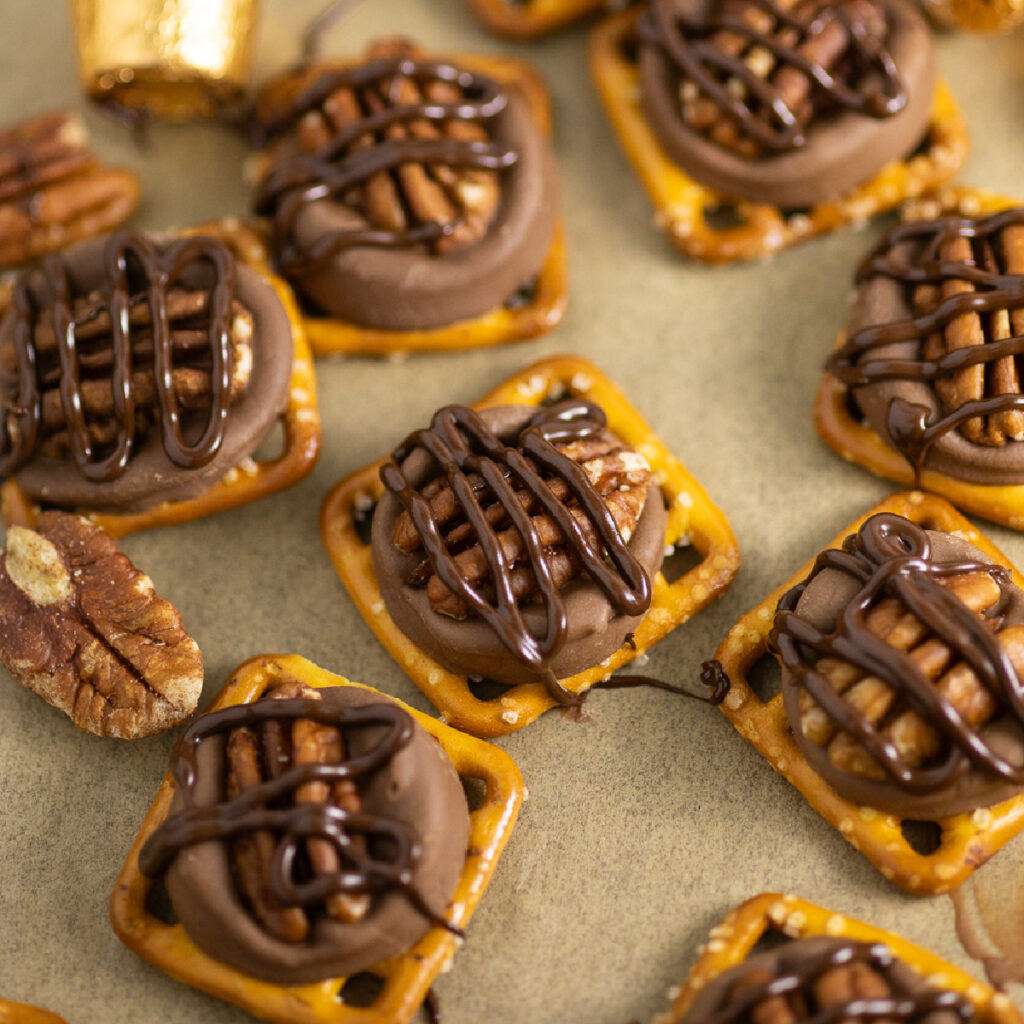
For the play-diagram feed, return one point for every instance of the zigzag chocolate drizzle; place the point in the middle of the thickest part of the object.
(869, 85)
(128, 258)
(460, 444)
(270, 806)
(797, 971)
(891, 557)
(336, 168)
(993, 290)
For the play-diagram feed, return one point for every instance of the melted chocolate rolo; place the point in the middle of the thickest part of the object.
(709, 50)
(340, 166)
(825, 617)
(132, 267)
(822, 980)
(884, 359)
(407, 873)
(460, 444)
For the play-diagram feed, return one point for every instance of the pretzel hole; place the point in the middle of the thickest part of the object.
(362, 989)
(158, 904)
(629, 49)
(723, 217)
(680, 558)
(923, 837)
(771, 938)
(765, 678)
(523, 296)
(853, 409)
(484, 688)
(475, 790)
(272, 447)
(362, 519)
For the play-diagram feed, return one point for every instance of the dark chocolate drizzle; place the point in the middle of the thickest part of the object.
(718, 684)
(134, 271)
(799, 969)
(891, 557)
(460, 443)
(870, 86)
(336, 168)
(910, 254)
(269, 806)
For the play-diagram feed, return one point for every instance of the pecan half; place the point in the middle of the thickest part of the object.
(82, 627)
(188, 315)
(875, 702)
(53, 191)
(620, 476)
(253, 757)
(984, 380)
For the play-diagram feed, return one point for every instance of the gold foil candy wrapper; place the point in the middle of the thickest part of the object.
(975, 15)
(170, 58)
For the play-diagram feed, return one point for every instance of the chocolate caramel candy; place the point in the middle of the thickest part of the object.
(933, 344)
(313, 834)
(786, 102)
(518, 543)
(825, 979)
(136, 370)
(404, 192)
(902, 658)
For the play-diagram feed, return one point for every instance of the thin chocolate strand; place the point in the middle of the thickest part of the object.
(891, 556)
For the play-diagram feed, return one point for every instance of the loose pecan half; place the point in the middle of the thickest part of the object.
(82, 627)
(53, 191)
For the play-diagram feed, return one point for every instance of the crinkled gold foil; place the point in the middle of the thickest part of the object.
(976, 15)
(171, 58)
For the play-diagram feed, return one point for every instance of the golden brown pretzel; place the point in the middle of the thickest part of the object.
(406, 977)
(733, 938)
(968, 839)
(522, 19)
(692, 515)
(22, 1013)
(685, 209)
(256, 478)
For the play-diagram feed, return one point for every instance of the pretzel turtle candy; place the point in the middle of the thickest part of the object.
(533, 305)
(711, 226)
(967, 838)
(406, 977)
(22, 1013)
(254, 477)
(692, 519)
(523, 19)
(846, 430)
(775, 915)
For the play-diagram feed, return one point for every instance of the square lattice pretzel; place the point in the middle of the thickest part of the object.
(967, 839)
(732, 940)
(692, 517)
(686, 209)
(852, 438)
(251, 480)
(406, 977)
(539, 313)
(523, 19)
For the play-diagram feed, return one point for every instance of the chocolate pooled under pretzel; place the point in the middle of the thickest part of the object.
(518, 543)
(825, 979)
(137, 369)
(903, 655)
(788, 102)
(313, 834)
(934, 343)
(404, 192)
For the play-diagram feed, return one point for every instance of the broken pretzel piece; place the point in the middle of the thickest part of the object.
(81, 627)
